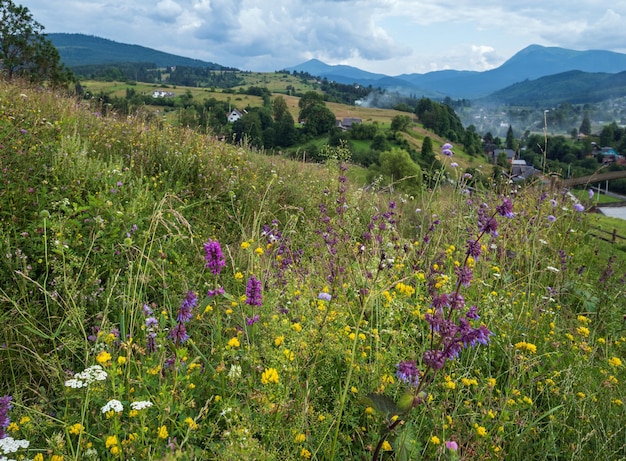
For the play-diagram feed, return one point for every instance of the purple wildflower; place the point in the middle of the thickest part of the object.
(579, 207)
(151, 342)
(591, 194)
(551, 218)
(152, 322)
(446, 149)
(474, 248)
(214, 257)
(184, 312)
(553, 203)
(178, 334)
(464, 275)
(408, 372)
(325, 296)
(452, 445)
(253, 320)
(506, 209)
(147, 310)
(5, 406)
(254, 296)
(216, 292)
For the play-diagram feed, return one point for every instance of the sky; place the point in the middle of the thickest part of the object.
(390, 37)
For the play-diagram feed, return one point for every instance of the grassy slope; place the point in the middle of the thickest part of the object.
(101, 215)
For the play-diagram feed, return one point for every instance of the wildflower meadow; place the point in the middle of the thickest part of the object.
(168, 296)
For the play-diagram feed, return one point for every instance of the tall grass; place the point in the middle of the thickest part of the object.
(337, 325)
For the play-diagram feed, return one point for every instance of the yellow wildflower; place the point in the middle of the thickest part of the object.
(121, 360)
(234, 342)
(480, 430)
(162, 433)
(435, 440)
(191, 423)
(305, 454)
(615, 362)
(110, 441)
(386, 446)
(103, 357)
(279, 340)
(259, 251)
(526, 347)
(299, 438)
(76, 428)
(38, 457)
(269, 376)
(245, 245)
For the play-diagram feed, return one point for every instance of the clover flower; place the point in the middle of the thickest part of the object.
(214, 257)
(254, 296)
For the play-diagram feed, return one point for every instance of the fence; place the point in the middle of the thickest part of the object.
(611, 237)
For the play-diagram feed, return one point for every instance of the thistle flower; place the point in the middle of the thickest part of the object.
(254, 296)
(214, 257)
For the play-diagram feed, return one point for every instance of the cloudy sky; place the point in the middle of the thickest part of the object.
(385, 36)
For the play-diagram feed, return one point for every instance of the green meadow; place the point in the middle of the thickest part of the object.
(167, 296)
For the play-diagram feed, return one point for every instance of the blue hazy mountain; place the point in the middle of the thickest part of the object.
(531, 63)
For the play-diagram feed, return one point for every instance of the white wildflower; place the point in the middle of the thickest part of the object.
(553, 269)
(10, 445)
(113, 405)
(75, 383)
(141, 405)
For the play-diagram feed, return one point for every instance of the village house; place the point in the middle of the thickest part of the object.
(346, 123)
(234, 115)
(163, 94)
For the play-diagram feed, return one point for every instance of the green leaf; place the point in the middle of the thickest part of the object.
(382, 403)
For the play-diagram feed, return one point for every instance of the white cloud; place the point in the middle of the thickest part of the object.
(385, 36)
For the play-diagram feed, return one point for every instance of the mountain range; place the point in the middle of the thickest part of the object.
(536, 74)
(82, 50)
(531, 63)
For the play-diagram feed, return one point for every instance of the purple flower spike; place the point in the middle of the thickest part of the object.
(254, 297)
(506, 209)
(408, 372)
(5, 406)
(184, 312)
(214, 257)
(178, 334)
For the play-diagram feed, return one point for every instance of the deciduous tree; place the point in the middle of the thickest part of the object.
(24, 49)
